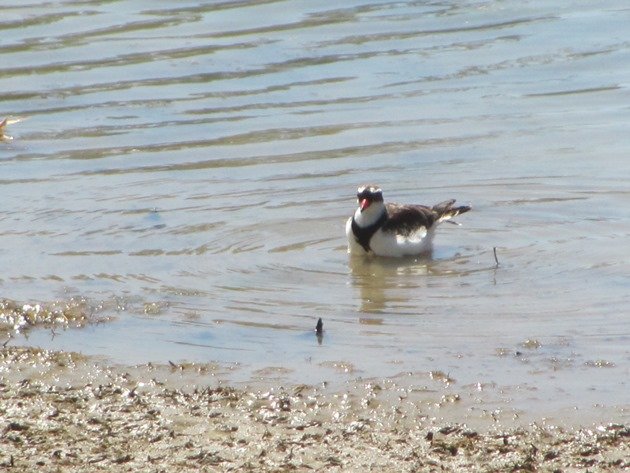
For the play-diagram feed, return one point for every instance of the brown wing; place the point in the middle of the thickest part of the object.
(407, 219)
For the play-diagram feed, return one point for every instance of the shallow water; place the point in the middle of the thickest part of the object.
(188, 170)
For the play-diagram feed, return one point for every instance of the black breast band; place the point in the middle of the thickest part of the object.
(363, 235)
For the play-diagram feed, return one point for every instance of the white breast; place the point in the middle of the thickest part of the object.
(392, 244)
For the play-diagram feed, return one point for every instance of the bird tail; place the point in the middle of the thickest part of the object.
(446, 211)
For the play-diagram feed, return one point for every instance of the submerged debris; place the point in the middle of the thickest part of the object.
(531, 344)
(16, 317)
(3, 126)
(599, 364)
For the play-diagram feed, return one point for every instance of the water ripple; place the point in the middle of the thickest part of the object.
(197, 164)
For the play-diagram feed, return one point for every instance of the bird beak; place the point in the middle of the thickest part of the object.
(364, 204)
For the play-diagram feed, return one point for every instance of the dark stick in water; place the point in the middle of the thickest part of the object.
(319, 328)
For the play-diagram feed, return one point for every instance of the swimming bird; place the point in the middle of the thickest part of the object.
(394, 229)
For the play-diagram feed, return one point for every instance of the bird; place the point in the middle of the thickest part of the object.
(395, 230)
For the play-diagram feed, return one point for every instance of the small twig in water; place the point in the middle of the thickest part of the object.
(496, 260)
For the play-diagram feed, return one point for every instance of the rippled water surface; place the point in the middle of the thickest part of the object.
(186, 168)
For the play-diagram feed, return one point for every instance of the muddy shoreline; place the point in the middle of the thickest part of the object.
(66, 412)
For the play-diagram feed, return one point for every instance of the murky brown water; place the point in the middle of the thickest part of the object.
(188, 168)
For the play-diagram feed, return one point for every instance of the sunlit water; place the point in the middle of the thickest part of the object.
(188, 168)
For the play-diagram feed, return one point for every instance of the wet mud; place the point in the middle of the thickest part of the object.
(66, 412)
(18, 317)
